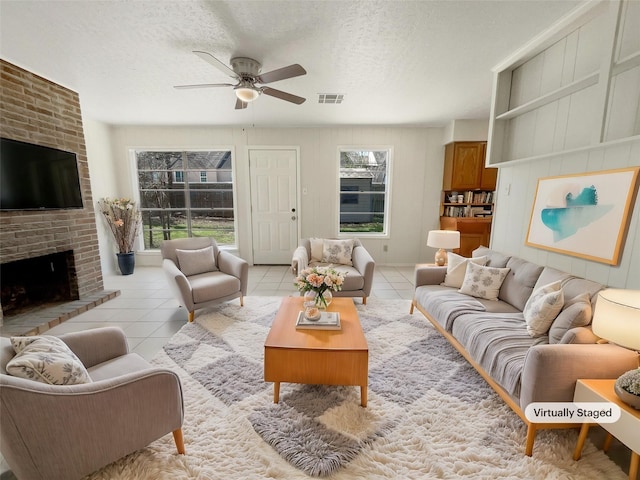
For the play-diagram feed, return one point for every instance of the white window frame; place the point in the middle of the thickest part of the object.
(387, 201)
(136, 185)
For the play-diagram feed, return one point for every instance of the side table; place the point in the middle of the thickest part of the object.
(626, 429)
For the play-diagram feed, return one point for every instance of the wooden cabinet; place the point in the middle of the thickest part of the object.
(464, 167)
(467, 195)
(473, 232)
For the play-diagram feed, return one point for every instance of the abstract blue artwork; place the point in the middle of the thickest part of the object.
(579, 211)
(584, 215)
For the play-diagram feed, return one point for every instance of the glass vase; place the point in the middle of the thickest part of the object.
(318, 300)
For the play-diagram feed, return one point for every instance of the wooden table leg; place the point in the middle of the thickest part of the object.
(607, 442)
(633, 466)
(363, 395)
(584, 430)
(276, 392)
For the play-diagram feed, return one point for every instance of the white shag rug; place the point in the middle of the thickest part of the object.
(429, 414)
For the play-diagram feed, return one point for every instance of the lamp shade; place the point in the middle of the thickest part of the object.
(617, 317)
(443, 239)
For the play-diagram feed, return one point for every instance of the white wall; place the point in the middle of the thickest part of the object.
(466, 130)
(516, 191)
(415, 190)
(103, 184)
(547, 120)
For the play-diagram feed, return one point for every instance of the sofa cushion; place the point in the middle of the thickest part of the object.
(542, 308)
(445, 304)
(193, 262)
(518, 284)
(316, 246)
(124, 364)
(493, 306)
(494, 259)
(483, 282)
(571, 286)
(499, 343)
(575, 313)
(337, 251)
(46, 359)
(203, 283)
(457, 267)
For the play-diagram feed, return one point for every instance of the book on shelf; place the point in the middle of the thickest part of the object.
(471, 196)
(327, 321)
(466, 211)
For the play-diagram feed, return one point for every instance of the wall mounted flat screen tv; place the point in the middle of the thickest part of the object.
(33, 177)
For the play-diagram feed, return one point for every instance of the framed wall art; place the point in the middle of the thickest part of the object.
(584, 215)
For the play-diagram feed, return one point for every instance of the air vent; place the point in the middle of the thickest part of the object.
(330, 97)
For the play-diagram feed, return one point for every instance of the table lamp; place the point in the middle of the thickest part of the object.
(617, 319)
(443, 239)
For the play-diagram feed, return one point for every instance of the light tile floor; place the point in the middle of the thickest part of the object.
(150, 316)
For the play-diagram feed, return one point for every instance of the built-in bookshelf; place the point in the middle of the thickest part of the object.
(471, 203)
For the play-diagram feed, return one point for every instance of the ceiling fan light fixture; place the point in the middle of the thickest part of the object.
(247, 93)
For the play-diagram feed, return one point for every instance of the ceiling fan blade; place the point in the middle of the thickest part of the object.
(207, 57)
(203, 85)
(283, 95)
(291, 71)
(240, 104)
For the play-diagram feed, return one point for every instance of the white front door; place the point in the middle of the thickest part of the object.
(274, 210)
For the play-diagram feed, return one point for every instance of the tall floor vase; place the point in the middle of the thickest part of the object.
(126, 262)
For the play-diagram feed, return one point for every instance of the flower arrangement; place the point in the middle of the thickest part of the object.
(124, 220)
(319, 280)
(630, 381)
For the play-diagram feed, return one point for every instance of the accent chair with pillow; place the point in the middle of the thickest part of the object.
(344, 255)
(72, 404)
(200, 274)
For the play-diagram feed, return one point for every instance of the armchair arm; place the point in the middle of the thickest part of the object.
(97, 345)
(178, 283)
(97, 423)
(364, 263)
(300, 260)
(429, 275)
(236, 266)
(550, 372)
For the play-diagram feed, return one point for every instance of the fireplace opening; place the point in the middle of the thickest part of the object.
(38, 282)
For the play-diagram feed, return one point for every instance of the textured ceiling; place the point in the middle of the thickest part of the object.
(396, 62)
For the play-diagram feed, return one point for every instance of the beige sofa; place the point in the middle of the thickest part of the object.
(492, 334)
(358, 267)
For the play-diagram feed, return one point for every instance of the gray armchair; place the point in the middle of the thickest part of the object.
(201, 275)
(359, 275)
(51, 432)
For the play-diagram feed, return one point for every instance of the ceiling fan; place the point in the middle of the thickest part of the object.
(247, 73)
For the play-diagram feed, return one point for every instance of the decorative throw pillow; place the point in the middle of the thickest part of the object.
(192, 262)
(575, 313)
(542, 308)
(457, 267)
(317, 245)
(337, 251)
(483, 282)
(46, 359)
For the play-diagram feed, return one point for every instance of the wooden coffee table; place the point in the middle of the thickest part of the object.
(319, 357)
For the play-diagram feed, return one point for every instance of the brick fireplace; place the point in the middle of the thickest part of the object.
(35, 110)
